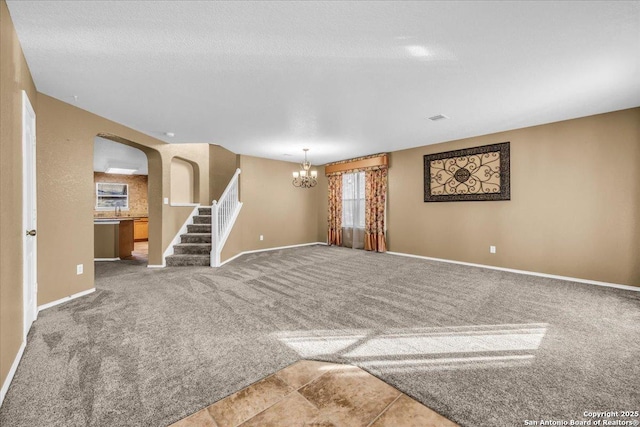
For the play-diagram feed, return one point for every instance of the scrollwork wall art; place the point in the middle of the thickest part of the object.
(472, 174)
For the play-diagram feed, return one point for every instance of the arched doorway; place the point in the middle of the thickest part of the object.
(127, 181)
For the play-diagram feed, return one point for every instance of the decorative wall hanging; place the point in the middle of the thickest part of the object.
(471, 174)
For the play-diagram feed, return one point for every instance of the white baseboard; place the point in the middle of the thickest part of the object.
(106, 259)
(529, 273)
(270, 249)
(65, 299)
(156, 265)
(12, 372)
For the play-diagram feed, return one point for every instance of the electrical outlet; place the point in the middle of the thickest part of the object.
(166, 200)
(492, 249)
(79, 269)
(261, 237)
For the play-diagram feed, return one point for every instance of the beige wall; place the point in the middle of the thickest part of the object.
(272, 207)
(574, 208)
(223, 165)
(14, 78)
(182, 176)
(138, 202)
(66, 194)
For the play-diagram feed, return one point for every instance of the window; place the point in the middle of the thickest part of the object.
(109, 196)
(353, 200)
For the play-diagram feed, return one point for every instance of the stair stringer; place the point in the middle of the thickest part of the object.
(176, 238)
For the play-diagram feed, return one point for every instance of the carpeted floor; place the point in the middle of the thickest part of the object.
(482, 347)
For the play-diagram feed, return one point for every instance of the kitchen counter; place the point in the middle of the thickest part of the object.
(110, 220)
(117, 218)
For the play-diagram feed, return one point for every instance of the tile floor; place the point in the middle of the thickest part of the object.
(140, 251)
(317, 394)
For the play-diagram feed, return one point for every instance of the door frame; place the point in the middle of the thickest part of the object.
(30, 312)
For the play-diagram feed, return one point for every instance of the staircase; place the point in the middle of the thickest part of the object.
(194, 248)
(202, 244)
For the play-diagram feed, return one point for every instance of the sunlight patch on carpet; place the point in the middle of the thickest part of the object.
(433, 348)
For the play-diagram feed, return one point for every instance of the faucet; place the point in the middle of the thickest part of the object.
(118, 210)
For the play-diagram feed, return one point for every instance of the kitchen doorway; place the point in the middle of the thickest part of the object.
(121, 210)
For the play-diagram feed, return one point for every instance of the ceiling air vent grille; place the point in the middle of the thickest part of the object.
(438, 117)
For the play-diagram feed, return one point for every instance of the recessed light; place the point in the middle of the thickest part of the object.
(417, 51)
(170, 134)
(438, 117)
(121, 171)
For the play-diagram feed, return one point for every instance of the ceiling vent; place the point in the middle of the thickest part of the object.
(438, 117)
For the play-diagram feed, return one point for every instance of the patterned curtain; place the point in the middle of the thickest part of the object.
(334, 216)
(376, 199)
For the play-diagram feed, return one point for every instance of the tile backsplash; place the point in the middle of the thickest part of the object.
(138, 202)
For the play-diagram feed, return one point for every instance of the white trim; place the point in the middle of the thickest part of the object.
(12, 372)
(218, 241)
(106, 259)
(184, 204)
(226, 190)
(176, 238)
(156, 265)
(109, 222)
(529, 273)
(270, 249)
(29, 217)
(65, 299)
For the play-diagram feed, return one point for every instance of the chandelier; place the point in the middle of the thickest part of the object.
(305, 178)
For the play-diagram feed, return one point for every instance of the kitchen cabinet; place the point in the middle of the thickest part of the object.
(113, 239)
(125, 241)
(105, 245)
(141, 229)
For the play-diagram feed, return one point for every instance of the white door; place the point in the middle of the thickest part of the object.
(29, 214)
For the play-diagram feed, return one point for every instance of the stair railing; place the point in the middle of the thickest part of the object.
(223, 215)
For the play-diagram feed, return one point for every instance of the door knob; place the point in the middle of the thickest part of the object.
(31, 232)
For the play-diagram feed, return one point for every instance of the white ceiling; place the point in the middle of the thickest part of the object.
(107, 153)
(341, 78)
